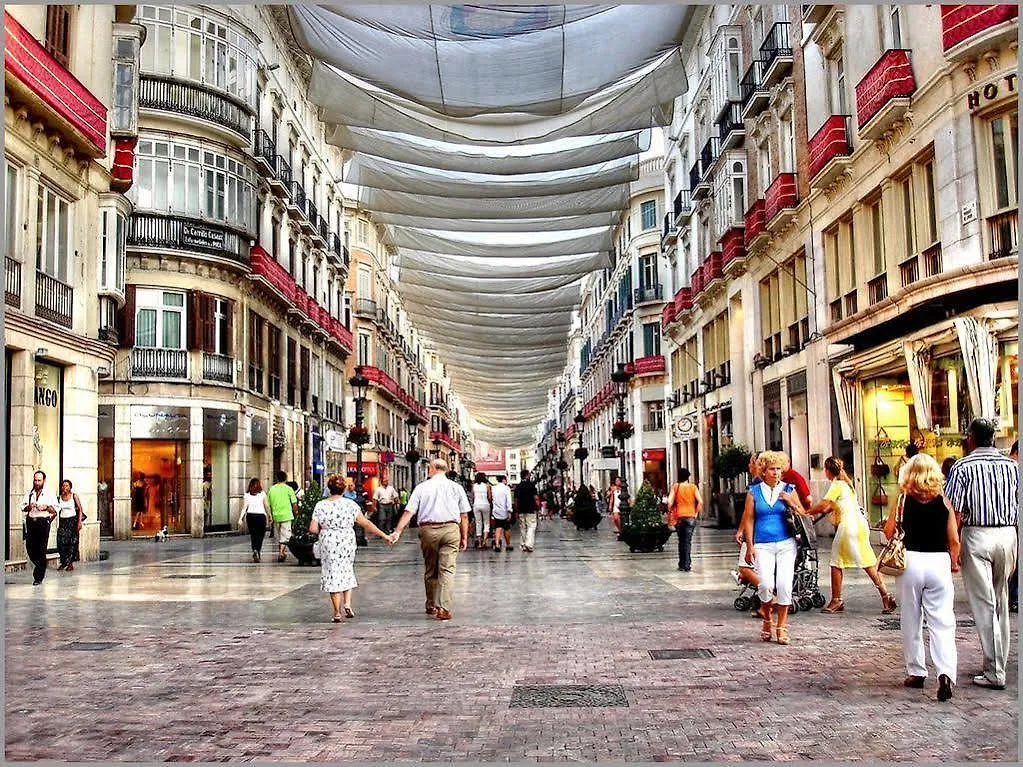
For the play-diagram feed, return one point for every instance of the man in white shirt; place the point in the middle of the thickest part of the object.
(443, 518)
(40, 509)
(386, 498)
(500, 515)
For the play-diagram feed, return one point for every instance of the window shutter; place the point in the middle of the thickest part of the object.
(196, 307)
(229, 328)
(126, 318)
(209, 323)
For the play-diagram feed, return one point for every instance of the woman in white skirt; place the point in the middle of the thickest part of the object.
(932, 555)
(334, 519)
(482, 501)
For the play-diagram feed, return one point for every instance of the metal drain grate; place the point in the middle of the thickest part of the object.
(694, 653)
(569, 696)
(90, 646)
(189, 577)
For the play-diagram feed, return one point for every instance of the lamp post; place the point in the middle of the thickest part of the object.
(561, 465)
(359, 384)
(412, 454)
(581, 453)
(621, 378)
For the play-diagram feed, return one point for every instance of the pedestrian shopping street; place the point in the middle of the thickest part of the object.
(198, 654)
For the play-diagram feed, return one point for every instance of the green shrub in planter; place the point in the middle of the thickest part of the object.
(301, 543)
(646, 530)
(732, 462)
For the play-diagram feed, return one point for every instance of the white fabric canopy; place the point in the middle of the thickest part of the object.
(379, 173)
(611, 199)
(534, 303)
(566, 155)
(466, 267)
(501, 226)
(562, 319)
(468, 60)
(421, 239)
(485, 284)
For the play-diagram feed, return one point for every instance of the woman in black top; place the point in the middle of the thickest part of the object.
(932, 555)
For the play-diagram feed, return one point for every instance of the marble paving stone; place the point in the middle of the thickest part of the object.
(246, 666)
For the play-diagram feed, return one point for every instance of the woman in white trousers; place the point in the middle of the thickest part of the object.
(932, 555)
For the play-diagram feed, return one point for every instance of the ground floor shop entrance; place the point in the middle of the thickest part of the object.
(159, 486)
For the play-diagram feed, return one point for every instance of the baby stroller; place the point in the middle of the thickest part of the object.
(805, 592)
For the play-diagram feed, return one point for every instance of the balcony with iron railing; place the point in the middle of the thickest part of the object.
(365, 308)
(12, 282)
(280, 180)
(649, 294)
(755, 95)
(1003, 235)
(168, 364)
(829, 151)
(884, 94)
(970, 30)
(297, 201)
(776, 53)
(255, 378)
(733, 251)
(214, 107)
(174, 232)
(920, 266)
(682, 206)
(265, 152)
(668, 231)
(708, 156)
(54, 299)
(731, 129)
(877, 289)
(217, 367)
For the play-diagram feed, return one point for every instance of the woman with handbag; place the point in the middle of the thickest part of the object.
(765, 524)
(334, 520)
(924, 540)
(255, 516)
(851, 547)
(69, 526)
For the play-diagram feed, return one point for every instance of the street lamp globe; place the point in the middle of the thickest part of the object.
(359, 383)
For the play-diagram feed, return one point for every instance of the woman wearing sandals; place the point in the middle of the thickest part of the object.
(334, 519)
(851, 547)
(774, 547)
(931, 539)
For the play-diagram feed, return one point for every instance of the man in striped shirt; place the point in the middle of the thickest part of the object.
(982, 489)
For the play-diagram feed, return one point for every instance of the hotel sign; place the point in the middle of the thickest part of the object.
(992, 91)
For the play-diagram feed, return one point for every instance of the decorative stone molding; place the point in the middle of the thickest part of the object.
(782, 96)
(993, 58)
(893, 136)
(830, 32)
(837, 187)
(970, 69)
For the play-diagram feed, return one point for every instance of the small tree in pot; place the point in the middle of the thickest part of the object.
(301, 543)
(646, 530)
(730, 464)
(584, 514)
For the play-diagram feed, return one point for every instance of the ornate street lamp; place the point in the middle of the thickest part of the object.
(412, 454)
(359, 436)
(581, 453)
(622, 430)
(561, 465)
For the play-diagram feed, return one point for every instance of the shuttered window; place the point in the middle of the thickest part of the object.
(58, 32)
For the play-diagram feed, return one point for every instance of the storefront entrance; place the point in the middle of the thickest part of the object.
(158, 487)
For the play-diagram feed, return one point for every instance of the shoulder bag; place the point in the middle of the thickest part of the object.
(892, 559)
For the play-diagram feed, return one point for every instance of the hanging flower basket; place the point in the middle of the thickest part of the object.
(358, 435)
(622, 430)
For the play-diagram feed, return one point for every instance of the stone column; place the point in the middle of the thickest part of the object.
(191, 500)
(122, 472)
(81, 452)
(22, 420)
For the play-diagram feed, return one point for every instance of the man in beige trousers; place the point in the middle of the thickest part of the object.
(443, 518)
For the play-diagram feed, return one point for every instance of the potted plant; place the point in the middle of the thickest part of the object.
(584, 514)
(729, 464)
(301, 543)
(646, 530)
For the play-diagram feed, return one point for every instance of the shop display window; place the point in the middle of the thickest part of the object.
(159, 486)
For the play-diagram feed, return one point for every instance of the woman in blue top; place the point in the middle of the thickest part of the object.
(773, 549)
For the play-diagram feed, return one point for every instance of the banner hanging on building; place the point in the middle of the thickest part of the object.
(490, 460)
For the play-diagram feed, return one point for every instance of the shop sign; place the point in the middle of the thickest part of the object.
(221, 425)
(334, 441)
(686, 427)
(160, 422)
(195, 236)
(603, 464)
(105, 421)
(609, 451)
(368, 469)
(931, 443)
(991, 91)
(48, 437)
(259, 431)
(655, 454)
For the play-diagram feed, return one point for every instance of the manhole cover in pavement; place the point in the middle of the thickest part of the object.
(90, 645)
(187, 577)
(895, 624)
(687, 654)
(568, 696)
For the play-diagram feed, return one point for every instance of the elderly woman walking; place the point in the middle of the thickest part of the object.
(931, 538)
(334, 519)
(773, 548)
(851, 547)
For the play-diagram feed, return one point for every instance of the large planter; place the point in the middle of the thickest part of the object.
(303, 552)
(645, 539)
(589, 522)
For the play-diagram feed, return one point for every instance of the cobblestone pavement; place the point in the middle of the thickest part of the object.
(213, 658)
